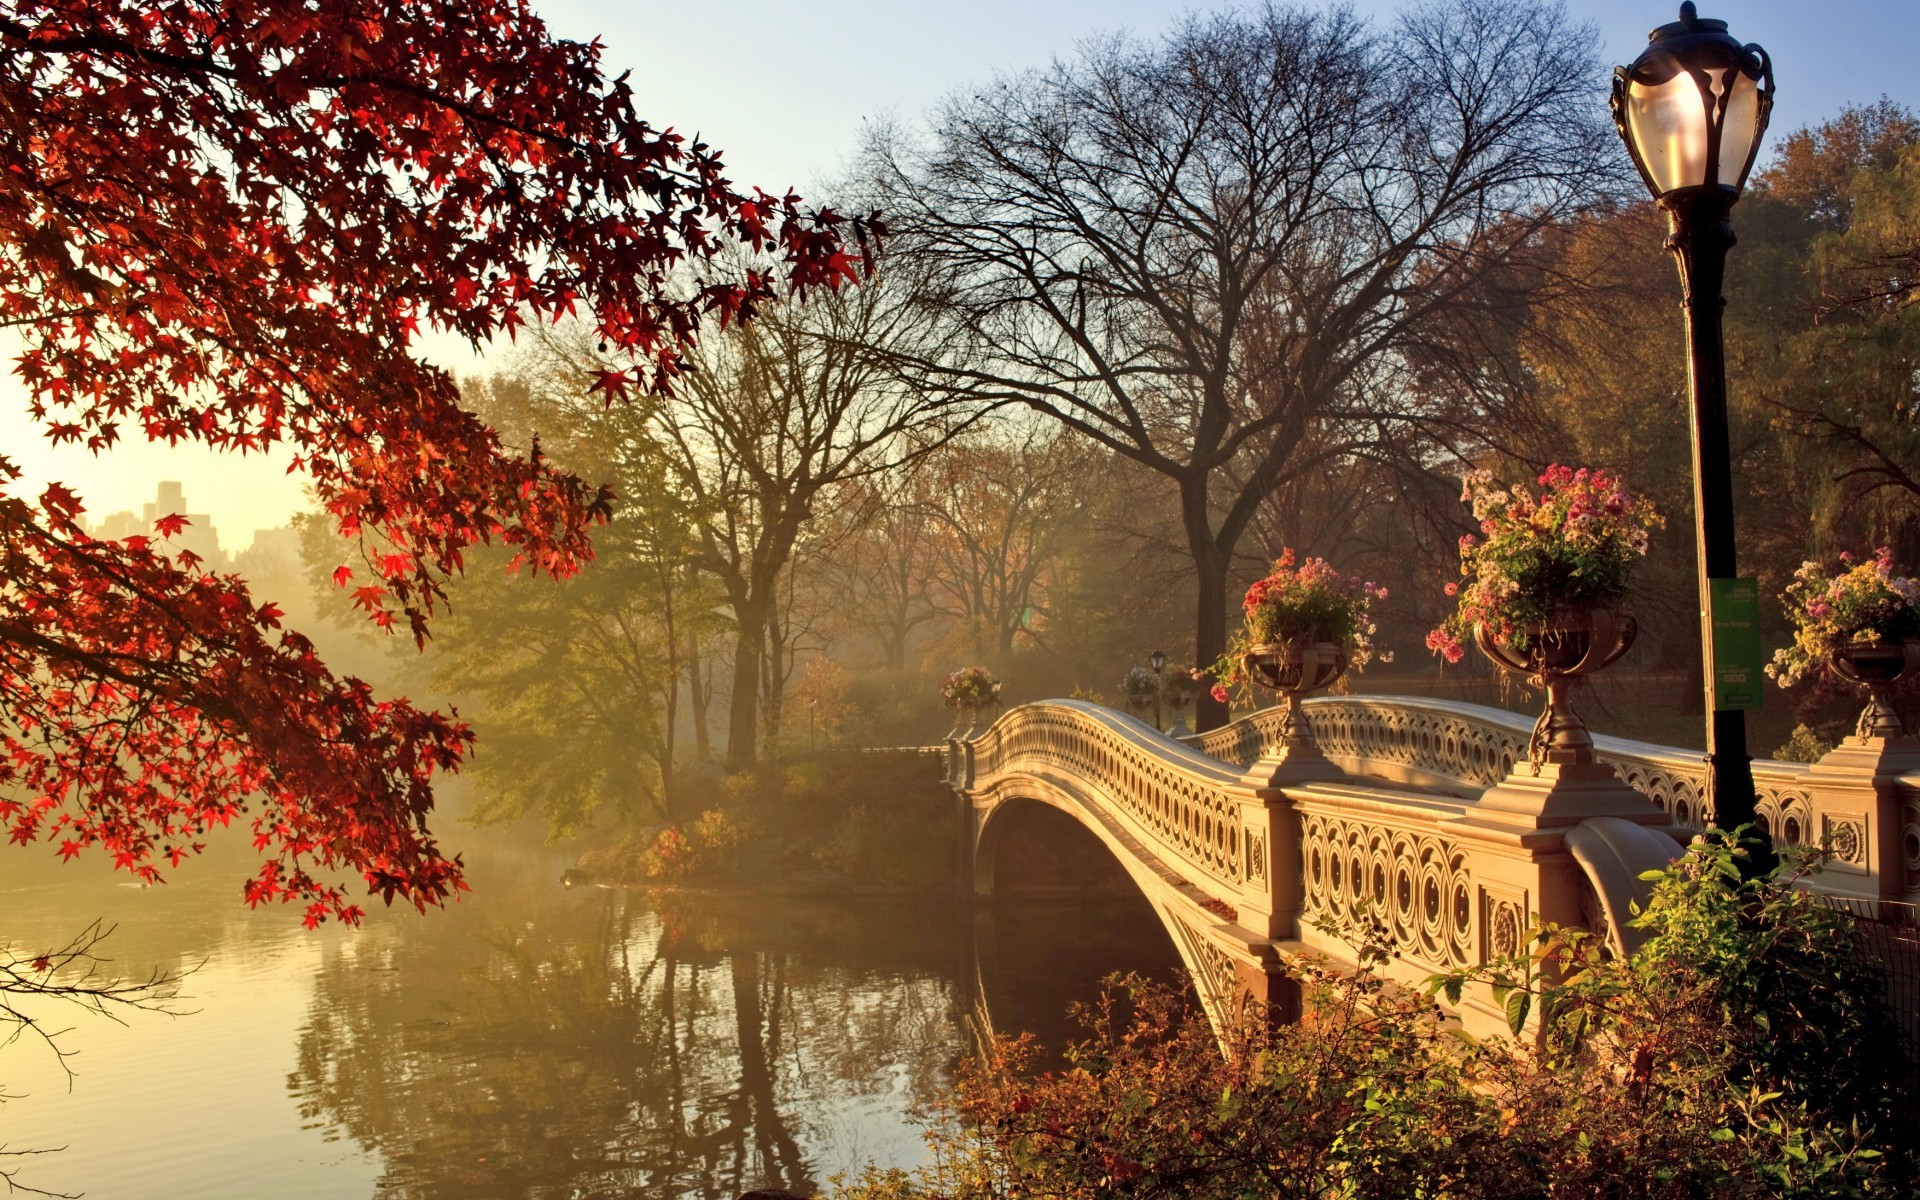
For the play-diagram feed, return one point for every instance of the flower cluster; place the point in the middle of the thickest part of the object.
(1569, 549)
(970, 687)
(1864, 602)
(1139, 684)
(1182, 682)
(1311, 602)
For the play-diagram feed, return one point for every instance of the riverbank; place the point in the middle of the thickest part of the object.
(855, 823)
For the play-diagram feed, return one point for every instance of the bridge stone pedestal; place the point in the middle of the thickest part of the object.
(1558, 795)
(1865, 802)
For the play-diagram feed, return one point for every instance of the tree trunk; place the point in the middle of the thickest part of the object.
(1210, 631)
(773, 679)
(743, 706)
(780, 1162)
(669, 791)
(699, 697)
(1210, 573)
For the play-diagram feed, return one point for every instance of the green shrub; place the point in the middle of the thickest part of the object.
(1804, 744)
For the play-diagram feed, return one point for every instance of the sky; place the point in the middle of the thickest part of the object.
(783, 89)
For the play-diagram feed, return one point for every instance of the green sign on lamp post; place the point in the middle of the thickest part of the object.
(1737, 675)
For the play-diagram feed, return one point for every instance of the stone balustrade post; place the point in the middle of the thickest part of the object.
(1271, 888)
(1563, 843)
(1865, 801)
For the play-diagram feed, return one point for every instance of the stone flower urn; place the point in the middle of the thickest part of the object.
(1560, 651)
(1294, 669)
(1177, 702)
(1876, 666)
(981, 714)
(1565, 784)
(963, 719)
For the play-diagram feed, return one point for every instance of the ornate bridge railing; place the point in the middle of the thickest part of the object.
(1419, 828)
(1241, 870)
(1463, 749)
(1172, 798)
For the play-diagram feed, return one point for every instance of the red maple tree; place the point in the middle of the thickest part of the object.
(224, 221)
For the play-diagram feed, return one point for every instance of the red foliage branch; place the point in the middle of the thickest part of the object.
(224, 221)
(163, 702)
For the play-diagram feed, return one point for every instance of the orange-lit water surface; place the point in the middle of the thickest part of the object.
(535, 1040)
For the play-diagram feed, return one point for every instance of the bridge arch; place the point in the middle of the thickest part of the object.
(1030, 848)
(1155, 805)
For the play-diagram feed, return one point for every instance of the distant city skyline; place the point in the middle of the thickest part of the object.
(784, 97)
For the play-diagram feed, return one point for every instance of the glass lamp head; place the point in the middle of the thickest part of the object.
(1692, 107)
(1159, 659)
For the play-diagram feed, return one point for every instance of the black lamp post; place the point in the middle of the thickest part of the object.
(1158, 659)
(1692, 108)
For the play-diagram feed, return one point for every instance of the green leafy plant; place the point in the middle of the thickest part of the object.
(1749, 1021)
(1804, 744)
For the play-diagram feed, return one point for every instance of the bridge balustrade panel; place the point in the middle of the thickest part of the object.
(1176, 797)
(1463, 749)
(1388, 872)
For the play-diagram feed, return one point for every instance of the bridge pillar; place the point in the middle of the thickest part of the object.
(1520, 829)
(1271, 890)
(1268, 993)
(1865, 801)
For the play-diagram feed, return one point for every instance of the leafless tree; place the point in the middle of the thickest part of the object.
(883, 570)
(770, 418)
(999, 503)
(1210, 249)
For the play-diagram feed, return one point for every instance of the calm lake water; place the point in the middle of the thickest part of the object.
(533, 1041)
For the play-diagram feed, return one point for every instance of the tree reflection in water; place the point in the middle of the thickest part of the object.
(536, 1041)
(598, 1048)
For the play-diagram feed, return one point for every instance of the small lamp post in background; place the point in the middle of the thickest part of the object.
(1158, 660)
(1691, 109)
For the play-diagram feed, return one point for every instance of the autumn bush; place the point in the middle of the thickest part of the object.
(1745, 1051)
(871, 819)
(705, 850)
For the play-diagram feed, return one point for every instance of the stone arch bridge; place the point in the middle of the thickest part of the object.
(1419, 815)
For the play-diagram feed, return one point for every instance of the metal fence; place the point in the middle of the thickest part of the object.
(1890, 938)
